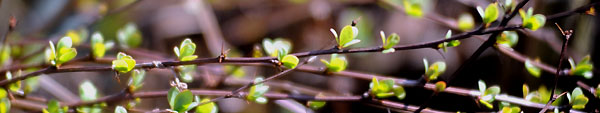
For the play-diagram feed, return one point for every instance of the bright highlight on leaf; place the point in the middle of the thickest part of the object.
(389, 42)
(531, 21)
(347, 36)
(274, 47)
(508, 39)
(532, 69)
(62, 53)
(120, 109)
(335, 64)
(386, 88)
(124, 63)
(257, 92)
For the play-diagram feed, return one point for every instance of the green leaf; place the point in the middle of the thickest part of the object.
(124, 63)
(273, 47)
(598, 91)
(187, 48)
(66, 54)
(120, 109)
(189, 58)
(580, 101)
(390, 50)
(347, 35)
(576, 92)
(413, 8)
(87, 91)
(465, 22)
(391, 41)
(257, 91)
(399, 92)
(137, 79)
(435, 70)
(525, 90)
(482, 86)
(208, 107)
(508, 38)
(31, 84)
(15, 87)
(5, 51)
(440, 86)
(98, 47)
(494, 90)
(290, 61)
(3, 93)
(53, 107)
(173, 92)
(336, 63)
(532, 69)
(129, 36)
(491, 13)
(186, 73)
(316, 104)
(64, 42)
(583, 68)
(183, 101)
(4, 105)
(537, 21)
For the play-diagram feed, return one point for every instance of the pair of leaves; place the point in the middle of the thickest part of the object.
(466, 22)
(583, 68)
(452, 43)
(210, 107)
(185, 52)
(54, 107)
(435, 70)
(129, 36)
(389, 42)
(336, 64)
(531, 21)
(508, 38)
(577, 99)
(181, 101)
(98, 46)
(4, 101)
(386, 88)
(257, 92)
(542, 95)
(490, 14)
(277, 46)
(316, 104)
(347, 36)
(488, 95)
(124, 63)
(532, 69)
(290, 61)
(136, 81)
(62, 53)
(413, 7)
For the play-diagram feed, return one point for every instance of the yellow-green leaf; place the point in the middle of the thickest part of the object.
(290, 61)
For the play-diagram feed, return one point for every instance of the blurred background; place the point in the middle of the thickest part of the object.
(241, 25)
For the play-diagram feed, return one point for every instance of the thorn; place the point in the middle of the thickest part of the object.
(117, 77)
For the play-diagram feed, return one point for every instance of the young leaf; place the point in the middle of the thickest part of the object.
(347, 36)
(491, 13)
(98, 47)
(124, 63)
(273, 47)
(87, 91)
(129, 36)
(508, 38)
(257, 91)
(316, 104)
(580, 101)
(390, 42)
(435, 70)
(186, 73)
(532, 69)
(399, 92)
(4, 54)
(290, 61)
(482, 86)
(173, 92)
(440, 86)
(66, 54)
(4, 105)
(64, 42)
(465, 22)
(494, 90)
(207, 108)
(136, 79)
(525, 90)
(183, 101)
(336, 63)
(413, 7)
(120, 109)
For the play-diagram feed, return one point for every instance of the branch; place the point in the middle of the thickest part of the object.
(567, 35)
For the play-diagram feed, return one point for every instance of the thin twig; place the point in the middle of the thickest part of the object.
(567, 35)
